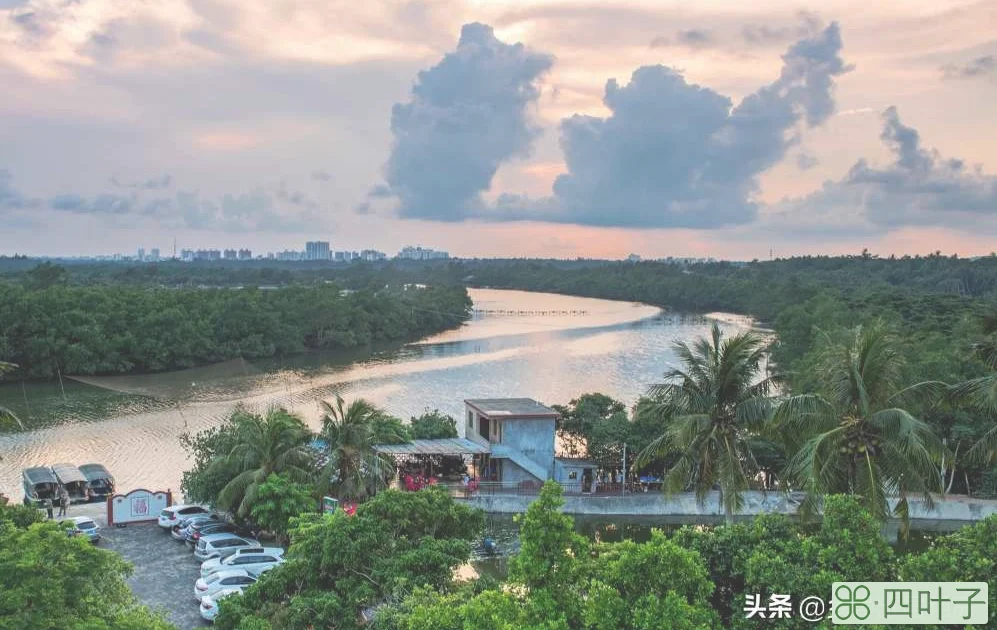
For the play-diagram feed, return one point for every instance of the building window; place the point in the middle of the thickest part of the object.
(470, 420)
(573, 474)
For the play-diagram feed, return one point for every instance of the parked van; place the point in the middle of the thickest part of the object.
(73, 481)
(40, 484)
(100, 480)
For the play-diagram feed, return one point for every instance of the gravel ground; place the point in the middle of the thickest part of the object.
(165, 570)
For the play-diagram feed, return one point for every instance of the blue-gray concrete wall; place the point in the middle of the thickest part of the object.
(511, 473)
(562, 472)
(532, 437)
(947, 510)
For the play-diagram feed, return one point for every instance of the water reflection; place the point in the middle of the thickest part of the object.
(131, 423)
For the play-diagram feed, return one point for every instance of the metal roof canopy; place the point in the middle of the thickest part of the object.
(39, 474)
(511, 407)
(447, 446)
(67, 473)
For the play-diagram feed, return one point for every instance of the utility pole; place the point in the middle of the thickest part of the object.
(624, 484)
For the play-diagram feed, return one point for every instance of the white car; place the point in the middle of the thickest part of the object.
(243, 557)
(221, 545)
(254, 563)
(218, 582)
(209, 605)
(171, 516)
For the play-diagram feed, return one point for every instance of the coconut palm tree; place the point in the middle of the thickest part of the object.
(981, 394)
(856, 436)
(713, 409)
(276, 442)
(7, 415)
(355, 470)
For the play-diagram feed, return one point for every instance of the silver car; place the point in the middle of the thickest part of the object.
(82, 526)
(221, 545)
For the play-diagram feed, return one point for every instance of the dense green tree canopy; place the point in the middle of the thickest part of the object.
(433, 425)
(50, 580)
(108, 330)
(339, 565)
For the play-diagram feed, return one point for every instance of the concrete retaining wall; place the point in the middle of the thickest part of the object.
(684, 507)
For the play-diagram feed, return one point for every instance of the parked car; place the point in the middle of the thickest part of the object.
(221, 545)
(39, 484)
(275, 551)
(194, 532)
(253, 562)
(100, 480)
(171, 515)
(209, 605)
(73, 481)
(182, 528)
(218, 582)
(81, 526)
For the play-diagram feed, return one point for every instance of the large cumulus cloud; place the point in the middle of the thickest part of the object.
(670, 154)
(467, 115)
(675, 154)
(919, 187)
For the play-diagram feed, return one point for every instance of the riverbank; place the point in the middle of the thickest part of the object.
(132, 424)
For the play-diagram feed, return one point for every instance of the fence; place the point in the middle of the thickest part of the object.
(531, 489)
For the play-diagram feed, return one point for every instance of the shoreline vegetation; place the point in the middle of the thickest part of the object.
(55, 329)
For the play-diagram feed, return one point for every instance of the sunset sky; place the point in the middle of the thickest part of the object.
(552, 128)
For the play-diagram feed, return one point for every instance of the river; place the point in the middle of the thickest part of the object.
(544, 346)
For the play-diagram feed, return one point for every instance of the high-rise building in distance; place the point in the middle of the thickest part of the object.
(317, 250)
(422, 253)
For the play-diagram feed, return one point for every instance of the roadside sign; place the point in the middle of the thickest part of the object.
(329, 505)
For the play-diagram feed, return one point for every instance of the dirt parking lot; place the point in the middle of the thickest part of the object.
(165, 570)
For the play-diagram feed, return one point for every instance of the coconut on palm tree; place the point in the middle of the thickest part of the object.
(355, 470)
(276, 442)
(857, 435)
(713, 410)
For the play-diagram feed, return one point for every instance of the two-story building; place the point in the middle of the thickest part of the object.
(506, 440)
(520, 435)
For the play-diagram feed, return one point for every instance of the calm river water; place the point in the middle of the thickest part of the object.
(549, 347)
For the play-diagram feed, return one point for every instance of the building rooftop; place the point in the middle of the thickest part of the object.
(445, 446)
(515, 407)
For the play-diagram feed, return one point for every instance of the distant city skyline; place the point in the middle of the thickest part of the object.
(719, 129)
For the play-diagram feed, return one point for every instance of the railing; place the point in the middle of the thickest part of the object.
(531, 489)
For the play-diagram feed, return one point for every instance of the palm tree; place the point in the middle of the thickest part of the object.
(713, 409)
(856, 437)
(274, 443)
(355, 470)
(7, 415)
(981, 393)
